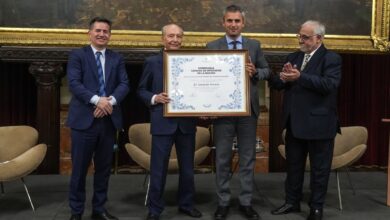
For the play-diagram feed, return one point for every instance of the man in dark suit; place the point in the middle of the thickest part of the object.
(166, 132)
(98, 82)
(310, 80)
(226, 128)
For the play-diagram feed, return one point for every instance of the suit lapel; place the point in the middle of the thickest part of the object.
(91, 61)
(245, 43)
(223, 43)
(314, 61)
(107, 65)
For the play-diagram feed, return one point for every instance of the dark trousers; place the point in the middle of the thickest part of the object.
(161, 149)
(94, 143)
(320, 156)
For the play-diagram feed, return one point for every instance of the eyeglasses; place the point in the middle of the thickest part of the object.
(305, 37)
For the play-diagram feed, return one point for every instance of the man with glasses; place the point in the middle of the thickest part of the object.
(310, 80)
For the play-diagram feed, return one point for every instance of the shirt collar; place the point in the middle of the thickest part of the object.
(102, 51)
(229, 40)
(312, 53)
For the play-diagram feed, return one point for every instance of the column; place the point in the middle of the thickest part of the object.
(48, 78)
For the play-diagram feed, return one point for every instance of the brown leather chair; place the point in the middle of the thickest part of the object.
(349, 146)
(19, 154)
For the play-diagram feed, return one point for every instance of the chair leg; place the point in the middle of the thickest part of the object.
(338, 190)
(2, 188)
(147, 193)
(28, 195)
(350, 181)
(146, 178)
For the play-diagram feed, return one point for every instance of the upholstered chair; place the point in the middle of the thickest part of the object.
(140, 147)
(349, 146)
(19, 154)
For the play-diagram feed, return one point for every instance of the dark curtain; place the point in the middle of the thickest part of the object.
(18, 94)
(364, 97)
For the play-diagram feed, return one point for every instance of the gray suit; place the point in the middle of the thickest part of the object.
(226, 128)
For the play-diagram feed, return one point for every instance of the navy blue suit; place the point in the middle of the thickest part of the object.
(310, 117)
(93, 137)
(166, 132)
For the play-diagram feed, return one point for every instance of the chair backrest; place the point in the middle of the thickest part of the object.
(139, 135)
(349, 146)
(202, 137)
(349, 138)
(15, 140)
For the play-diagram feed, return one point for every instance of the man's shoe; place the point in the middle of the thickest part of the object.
(75, 217)
(315, 214)
(221, 212)
(285, 209)
(192, 213)
(249, 212)
(103, 216)
(152, 216)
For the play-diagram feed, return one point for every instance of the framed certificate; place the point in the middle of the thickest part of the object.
(206, 83)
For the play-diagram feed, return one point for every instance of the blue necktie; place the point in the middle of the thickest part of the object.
(234, 43)
(102, 92)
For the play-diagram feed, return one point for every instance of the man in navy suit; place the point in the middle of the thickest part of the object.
(244, 128)
(98, 82)
(166, 132)
(310, 80)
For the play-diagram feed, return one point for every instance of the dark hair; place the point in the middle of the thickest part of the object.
(99, 19)
(234, 8)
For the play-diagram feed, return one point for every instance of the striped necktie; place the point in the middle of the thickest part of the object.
(102, 91)
(305, 61)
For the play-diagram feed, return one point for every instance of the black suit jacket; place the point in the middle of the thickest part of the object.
(310, 103)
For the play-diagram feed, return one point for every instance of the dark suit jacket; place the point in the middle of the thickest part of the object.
(257, 58)
(151, 83)
(83, 83)
(310, 103)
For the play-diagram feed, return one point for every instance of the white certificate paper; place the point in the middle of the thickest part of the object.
(206, 83)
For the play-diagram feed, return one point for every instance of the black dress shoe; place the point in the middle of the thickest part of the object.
(152, 216)
(75, 217)
(285, 209)
(221, 212)
(315, 214)
(249, 212)
(103, 216)
(192, 213)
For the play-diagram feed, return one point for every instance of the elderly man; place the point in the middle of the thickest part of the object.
(310, 80)
(166, 132)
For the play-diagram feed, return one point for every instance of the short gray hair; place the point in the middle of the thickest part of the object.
(234, 8)
(164, 29)
(319, 28)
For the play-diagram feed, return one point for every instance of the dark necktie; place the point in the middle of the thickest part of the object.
(102, 91)
(234, 44)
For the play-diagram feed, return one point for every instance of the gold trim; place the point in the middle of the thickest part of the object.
(377, 42)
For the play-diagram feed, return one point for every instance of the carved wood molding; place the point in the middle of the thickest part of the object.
(131, 55)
